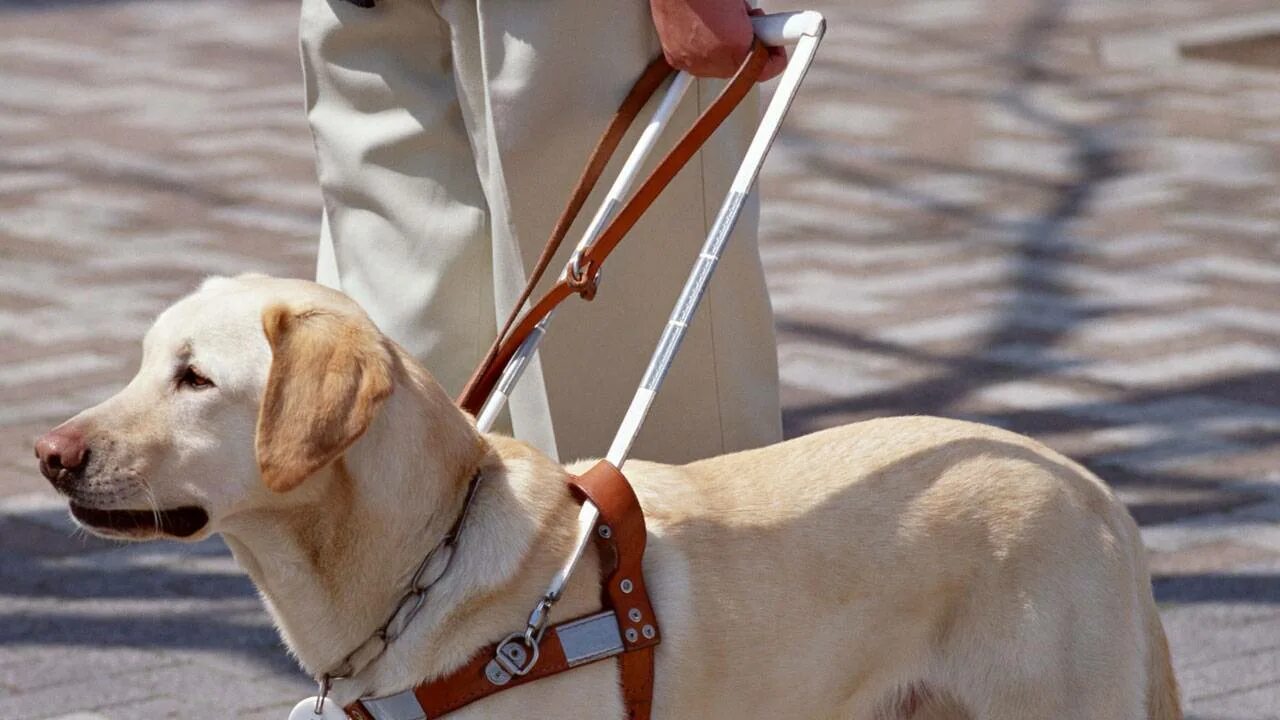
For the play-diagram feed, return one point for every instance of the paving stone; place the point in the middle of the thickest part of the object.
(1036, 395)
(34, 668)
(60, 700)
(1208, 557)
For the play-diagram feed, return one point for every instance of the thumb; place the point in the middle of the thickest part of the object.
(776, 63)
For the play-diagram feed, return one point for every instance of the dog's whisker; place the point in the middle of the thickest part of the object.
(155, 506)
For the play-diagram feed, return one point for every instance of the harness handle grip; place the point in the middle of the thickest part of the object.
(786, 28)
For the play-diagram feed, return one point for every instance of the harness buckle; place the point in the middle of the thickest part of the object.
(516, 655)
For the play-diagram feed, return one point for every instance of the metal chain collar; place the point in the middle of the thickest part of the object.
(428, 573)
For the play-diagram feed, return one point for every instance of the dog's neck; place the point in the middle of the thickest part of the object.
(333, 566)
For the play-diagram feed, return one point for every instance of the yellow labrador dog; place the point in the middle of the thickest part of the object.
(905, 567)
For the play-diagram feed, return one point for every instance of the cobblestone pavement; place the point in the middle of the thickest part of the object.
(1057, 217)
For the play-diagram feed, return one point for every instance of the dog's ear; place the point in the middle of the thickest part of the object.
(329, 375)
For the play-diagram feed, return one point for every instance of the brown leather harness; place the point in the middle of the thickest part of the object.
(628, 615)
(626, 628)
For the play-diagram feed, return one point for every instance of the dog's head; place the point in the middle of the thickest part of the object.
(246, 388)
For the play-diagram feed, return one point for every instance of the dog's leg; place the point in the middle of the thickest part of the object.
(1067, 690)
(1045, 660)
(940, 708)
(922, 702)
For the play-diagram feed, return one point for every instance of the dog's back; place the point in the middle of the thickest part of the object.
(933, 560)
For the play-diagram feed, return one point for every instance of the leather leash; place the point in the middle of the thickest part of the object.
(513, 333)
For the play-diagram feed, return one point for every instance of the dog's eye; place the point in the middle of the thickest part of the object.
(192, 379)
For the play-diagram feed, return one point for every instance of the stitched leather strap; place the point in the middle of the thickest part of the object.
(622, 545)
(469, 683)
(636, 671)
(620, 536)
(624, 587)
(508, 340)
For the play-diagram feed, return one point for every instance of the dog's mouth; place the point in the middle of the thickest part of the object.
(178, 522)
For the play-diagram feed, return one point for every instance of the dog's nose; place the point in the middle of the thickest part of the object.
(62, 448)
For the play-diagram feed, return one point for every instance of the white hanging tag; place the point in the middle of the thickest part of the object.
(306, 710)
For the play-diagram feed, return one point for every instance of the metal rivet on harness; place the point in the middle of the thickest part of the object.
(648, 631)
(626, 586)
(515, 653)
(632, 635)
(605, 532)
(495, 674)
(634, 614)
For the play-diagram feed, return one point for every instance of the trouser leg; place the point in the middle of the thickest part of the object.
(405, 230)
(447, 145)
(539, 82)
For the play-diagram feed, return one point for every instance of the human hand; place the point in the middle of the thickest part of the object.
(710, 38)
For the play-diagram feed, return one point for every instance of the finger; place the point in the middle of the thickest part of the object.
(729, 50)
(776, 63)
(706, 59)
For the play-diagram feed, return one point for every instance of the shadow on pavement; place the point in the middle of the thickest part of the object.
(57, 590)
(1217, 588)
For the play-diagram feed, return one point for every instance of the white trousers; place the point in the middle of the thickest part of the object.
(448, 136)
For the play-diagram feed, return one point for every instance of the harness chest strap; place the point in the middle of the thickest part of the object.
(627, 628)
